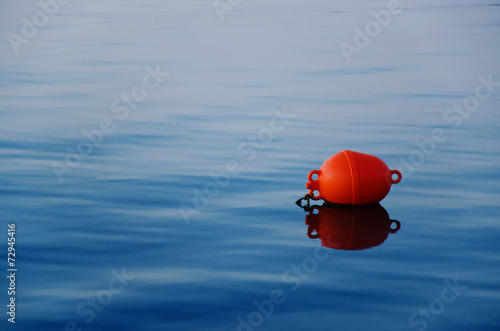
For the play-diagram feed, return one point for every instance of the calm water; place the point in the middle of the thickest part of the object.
(151, 201)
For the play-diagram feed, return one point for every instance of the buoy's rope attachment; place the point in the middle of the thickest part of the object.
(306, 197)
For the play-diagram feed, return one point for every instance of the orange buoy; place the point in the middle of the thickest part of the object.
(352, 178)
(350, 228)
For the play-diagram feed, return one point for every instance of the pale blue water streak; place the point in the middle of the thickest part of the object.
(120, 207)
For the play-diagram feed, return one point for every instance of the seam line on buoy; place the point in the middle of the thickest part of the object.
(354, 176)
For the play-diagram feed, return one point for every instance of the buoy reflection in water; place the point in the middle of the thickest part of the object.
(350, 228)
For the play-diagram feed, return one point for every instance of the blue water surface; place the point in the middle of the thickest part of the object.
(152, 152)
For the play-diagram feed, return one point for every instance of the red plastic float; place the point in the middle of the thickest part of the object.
(352, 178)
